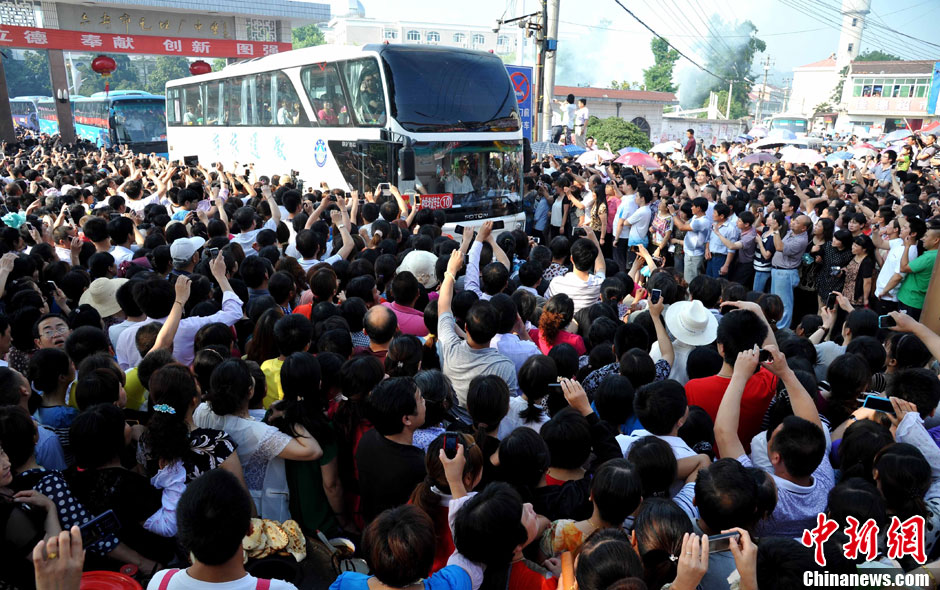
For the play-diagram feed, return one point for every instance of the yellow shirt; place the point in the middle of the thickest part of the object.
(272, 376)
(136, 393)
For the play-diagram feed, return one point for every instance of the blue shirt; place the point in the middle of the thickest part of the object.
(542, 210)
(729, 230)
(452, 577)
(696, 237)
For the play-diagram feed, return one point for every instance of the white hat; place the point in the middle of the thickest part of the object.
(183, 249)
(102, 296)
(421, 264)
(691, 323)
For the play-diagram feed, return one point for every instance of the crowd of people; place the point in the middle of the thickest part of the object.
(662, 357)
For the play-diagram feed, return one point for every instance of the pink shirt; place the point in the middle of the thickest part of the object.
(410, 320)
(562, 337)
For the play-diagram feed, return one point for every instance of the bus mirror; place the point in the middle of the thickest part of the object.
(526, 155)
(406, 159)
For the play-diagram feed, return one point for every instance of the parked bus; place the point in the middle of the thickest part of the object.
(25, 111)
(798, 124)
(124, 117)
(340, 115)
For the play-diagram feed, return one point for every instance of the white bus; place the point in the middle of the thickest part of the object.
(798, 124)
(341, 115)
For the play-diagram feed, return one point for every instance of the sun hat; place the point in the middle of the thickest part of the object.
(183, 249)
(102, 296)
(691, 323)
(421, 264)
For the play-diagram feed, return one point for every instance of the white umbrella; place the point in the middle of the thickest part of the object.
(593, 157)
(796, 155)
(667, 147)
(758, 131)
(863, 152)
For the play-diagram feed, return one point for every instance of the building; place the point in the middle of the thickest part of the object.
(357, 29)
(850, 35)
(772, 99)
(813, 85)
(640, 107)
(881, 96)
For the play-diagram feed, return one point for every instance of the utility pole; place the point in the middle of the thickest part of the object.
(730, 92)
(787, 84)
(760, 97)
(550, 44)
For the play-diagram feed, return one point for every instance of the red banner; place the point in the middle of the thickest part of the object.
(441, 201)
(37, 38)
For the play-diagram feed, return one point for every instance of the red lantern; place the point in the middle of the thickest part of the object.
(199, 67)
(104, 65)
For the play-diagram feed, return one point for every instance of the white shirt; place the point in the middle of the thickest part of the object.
(892, 265)
(139, 204)
(247, 239)
(582, 293)
(458, 186)
(128, 357)
(515, 348)
(581, 116)
(64, 254)
(568, 117)
(558, 210)
(640, 224)
(181, 580)
(513, 420)
(120, 254)
(115, 331)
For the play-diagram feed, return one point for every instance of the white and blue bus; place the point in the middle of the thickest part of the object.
(25, 110)
(123, 117)
(340, 114)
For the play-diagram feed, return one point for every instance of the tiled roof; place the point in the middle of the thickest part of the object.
(588, 92)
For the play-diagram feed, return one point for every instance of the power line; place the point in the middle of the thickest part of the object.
(674, 36)
(692, 61)
(697, 7)
(875, 24)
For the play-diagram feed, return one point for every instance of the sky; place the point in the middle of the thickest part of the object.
(620, 49)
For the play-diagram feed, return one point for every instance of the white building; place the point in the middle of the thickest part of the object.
(881, 96)
(813, 85)
(640, 107)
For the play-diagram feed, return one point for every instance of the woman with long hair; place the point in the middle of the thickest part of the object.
(535, 375)
(597, 219)
(658, 532)
(859, 271)
(316, 494)
(433, 494)
(488, 403)
(405, 353)
(439, 399)
(833, 255)
(556, 315)
(263, 345)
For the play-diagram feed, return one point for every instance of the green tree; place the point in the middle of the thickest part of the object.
(732, 63)
(658, 77)
(218, 64)
(166, 68)
(877, 55)
(124, 76)
(615, 85)
(28, 76)
(738, 109)
(307, 36)
(618, 133)
(836, 96)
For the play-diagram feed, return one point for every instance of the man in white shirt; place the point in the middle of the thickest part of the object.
(512, 339)
(633, 226)
(890, 277)
(459, 183)
(245, 217)
(122, 231)
(583, 287)
(580, 122)
(568, 110)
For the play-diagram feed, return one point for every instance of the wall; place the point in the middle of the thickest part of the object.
(810, 88)
(710, 131)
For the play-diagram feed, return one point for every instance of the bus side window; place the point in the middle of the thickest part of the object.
(365, 88)
(213, 103)
(325, 92)
(289, 111)
(192, 105)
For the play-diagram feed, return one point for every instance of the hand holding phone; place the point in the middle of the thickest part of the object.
(101, 526)
(886, 321)
(450, 444)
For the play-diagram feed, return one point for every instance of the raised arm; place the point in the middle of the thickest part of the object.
(168, 332)
(600, 265)
(446, 295)
(341, 222)
(729, 411)
(662, 336)
(800, 400)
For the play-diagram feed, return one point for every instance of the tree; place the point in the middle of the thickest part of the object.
(166, 68)
(218, 64)
(615, 85)
(307, 36)
(618, 133)
(738, 109)
(658, 78)
(877, 55)
(124, 76)
(836, 96)
(28, 76)
(732, 63)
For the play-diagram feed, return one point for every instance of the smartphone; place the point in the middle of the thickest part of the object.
(878, 403)
(459, 229)
(555, 388)
(537, 239)
(51, 285)
(450, 444)
(831, 301)
(721, 542)
(499, 224)
(384, 188)
(213, 252)
(655, 294)
(191, 160)
(99, 527)
(835, 270)
(765, 356)
(886, 321)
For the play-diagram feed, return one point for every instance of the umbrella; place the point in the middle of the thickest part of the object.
(896, 135)
(865, 145)
(838, 157)
(768, 143)
(758, 158)
(743, 138)
(780, 133)
(549, 148)
(666, 147)
(861, 152)
(592, 157)
(759, 131)
(637, 159)
(574, 150)
(931, 128)
(801, 156)
(879, 145)
(625, 150)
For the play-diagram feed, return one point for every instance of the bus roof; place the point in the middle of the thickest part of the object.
(127, 95)
(312, 55)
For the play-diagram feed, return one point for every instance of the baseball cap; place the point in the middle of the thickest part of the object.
(184, 248)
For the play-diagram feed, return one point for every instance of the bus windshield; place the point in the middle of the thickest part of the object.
(138, 121)
(483, 177)
(438, 90)
(794, 124)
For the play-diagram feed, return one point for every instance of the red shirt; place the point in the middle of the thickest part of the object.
(562, 337)
(758, 393)
(522, 577)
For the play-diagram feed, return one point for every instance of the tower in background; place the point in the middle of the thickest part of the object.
(853, 24)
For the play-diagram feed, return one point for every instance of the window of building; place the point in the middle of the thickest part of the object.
(326, 95)
(414, 36)
(460, 38)
(851, 46)
(390, 34)
(434, 37)
(643, 125)
(479, 39)
(502, 40)
(854, 21)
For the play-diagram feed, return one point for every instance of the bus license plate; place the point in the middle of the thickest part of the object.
(441, 201)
